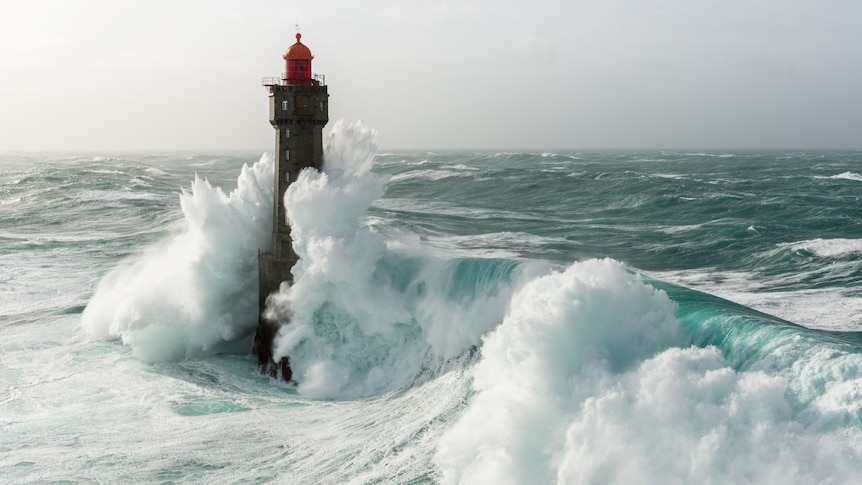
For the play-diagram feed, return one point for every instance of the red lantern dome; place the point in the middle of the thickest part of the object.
(298, 63)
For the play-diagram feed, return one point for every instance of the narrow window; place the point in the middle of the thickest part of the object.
(287, 154)
(284, 105)
(287, 132)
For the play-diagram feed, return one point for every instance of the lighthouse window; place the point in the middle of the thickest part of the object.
(287, 154)
(287, 133)
(284, 105)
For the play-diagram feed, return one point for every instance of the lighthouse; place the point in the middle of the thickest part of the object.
(298, 110)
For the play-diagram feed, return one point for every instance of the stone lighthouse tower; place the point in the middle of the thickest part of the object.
(298, 110)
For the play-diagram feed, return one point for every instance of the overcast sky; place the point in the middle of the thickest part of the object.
(532, 74)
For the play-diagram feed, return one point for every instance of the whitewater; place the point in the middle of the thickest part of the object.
(457, 317)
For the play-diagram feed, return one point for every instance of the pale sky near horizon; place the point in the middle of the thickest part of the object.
(185, 74)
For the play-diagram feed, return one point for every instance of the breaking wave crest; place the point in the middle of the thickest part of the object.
(594, 377)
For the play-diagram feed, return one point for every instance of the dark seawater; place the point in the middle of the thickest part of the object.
(754, 225)
(458, 317)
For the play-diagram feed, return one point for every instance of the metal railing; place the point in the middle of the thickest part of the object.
(270, 81)
(282, 81)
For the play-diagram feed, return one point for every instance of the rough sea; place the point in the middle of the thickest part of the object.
(566, 317)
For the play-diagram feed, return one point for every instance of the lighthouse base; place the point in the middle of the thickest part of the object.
(272, 272)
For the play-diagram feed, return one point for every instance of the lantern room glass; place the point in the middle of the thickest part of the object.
(299, 69)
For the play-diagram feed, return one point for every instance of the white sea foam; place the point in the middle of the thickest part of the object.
(194, 293)
(433, 175)
(586, 381)
(827, 248)
(821, 308)
(711, 155)
(464, 168)
(671, 176)
(155, 171)
(848, 176)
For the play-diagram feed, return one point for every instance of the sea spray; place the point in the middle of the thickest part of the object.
(196, 292)
(591, 378)
(350, 147)
(365, 315)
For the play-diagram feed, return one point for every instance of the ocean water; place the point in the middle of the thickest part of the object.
(457, 317)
